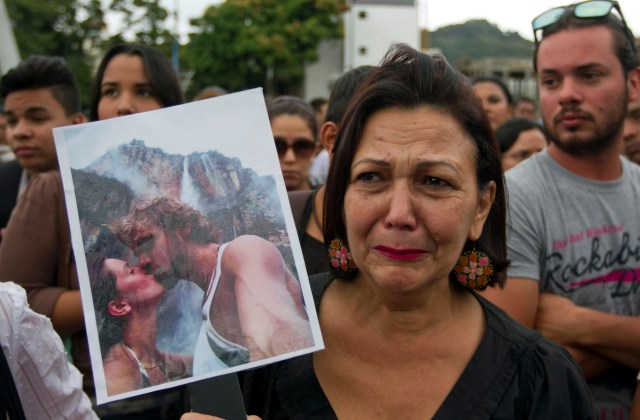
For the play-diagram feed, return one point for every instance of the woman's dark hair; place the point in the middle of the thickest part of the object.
(291, 105)
(508, 133)
(496, 81)
(409, 79)
(103, 291)
(161, 75)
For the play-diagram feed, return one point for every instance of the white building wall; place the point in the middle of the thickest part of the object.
(9, 54)
(372, 26)
(320, 75)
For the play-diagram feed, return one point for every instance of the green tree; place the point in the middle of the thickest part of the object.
(144, 22)
(67, 28)
(242, 44)
(75, 30)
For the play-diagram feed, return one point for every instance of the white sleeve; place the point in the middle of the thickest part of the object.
(48, 385)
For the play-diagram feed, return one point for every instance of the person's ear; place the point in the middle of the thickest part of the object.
(118, 308)
(485, 202)
(78, 118)
(328, 134)
(633, 84)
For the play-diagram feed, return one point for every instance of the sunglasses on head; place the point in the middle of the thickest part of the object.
(301, 148)
(592, 9)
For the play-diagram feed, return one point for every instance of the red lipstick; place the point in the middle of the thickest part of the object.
(408, 254)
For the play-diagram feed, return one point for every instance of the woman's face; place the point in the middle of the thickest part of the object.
(132, 283)
(125, 89)
(494, 103)
(528, 142)
(413, 198)
(296, 146)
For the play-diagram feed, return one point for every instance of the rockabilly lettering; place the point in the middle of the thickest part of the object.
(620, 266)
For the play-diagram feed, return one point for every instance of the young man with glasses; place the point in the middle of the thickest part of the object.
(574, 239)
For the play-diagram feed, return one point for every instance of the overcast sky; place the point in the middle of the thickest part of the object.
(509, 15)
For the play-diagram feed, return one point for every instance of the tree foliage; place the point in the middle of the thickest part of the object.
(237, 44)
(76, 30)
(67, 28)
(142, 21)
(242, 44)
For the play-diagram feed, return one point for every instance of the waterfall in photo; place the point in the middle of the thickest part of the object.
(188, 193)
(207, 171)
(215, 177)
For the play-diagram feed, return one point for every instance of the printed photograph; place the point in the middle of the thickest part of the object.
(187, 254)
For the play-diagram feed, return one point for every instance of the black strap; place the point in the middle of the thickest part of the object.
(301, 207)
(9, 399)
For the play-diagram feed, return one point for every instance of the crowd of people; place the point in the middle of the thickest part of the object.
(471, 254)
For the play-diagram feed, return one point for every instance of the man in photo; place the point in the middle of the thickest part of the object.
(253, 306)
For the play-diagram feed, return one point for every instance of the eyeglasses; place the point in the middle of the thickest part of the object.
(301, 148)
(592, 9)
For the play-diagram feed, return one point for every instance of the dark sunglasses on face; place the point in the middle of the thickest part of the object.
(301, 148)
(591, 9)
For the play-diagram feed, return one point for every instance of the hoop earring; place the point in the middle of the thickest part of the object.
(340, 257)
(474, 269)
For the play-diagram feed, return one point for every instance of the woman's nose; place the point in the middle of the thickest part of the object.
(401, 210)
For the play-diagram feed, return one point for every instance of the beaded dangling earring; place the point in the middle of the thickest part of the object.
(474, 269)
(340, 257)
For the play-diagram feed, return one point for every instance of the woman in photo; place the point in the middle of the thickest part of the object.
(126, 301)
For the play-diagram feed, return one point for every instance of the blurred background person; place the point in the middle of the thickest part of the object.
(320, 164)
(496, 98)
(210, 92)
(133, 78)
(5, 150)
(39, 94)
(293, 123)
(308, 205)
(519, 138)
(319, 105)
(631, 134)
(525, 108)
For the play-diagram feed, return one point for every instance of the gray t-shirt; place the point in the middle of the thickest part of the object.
(580, 239)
